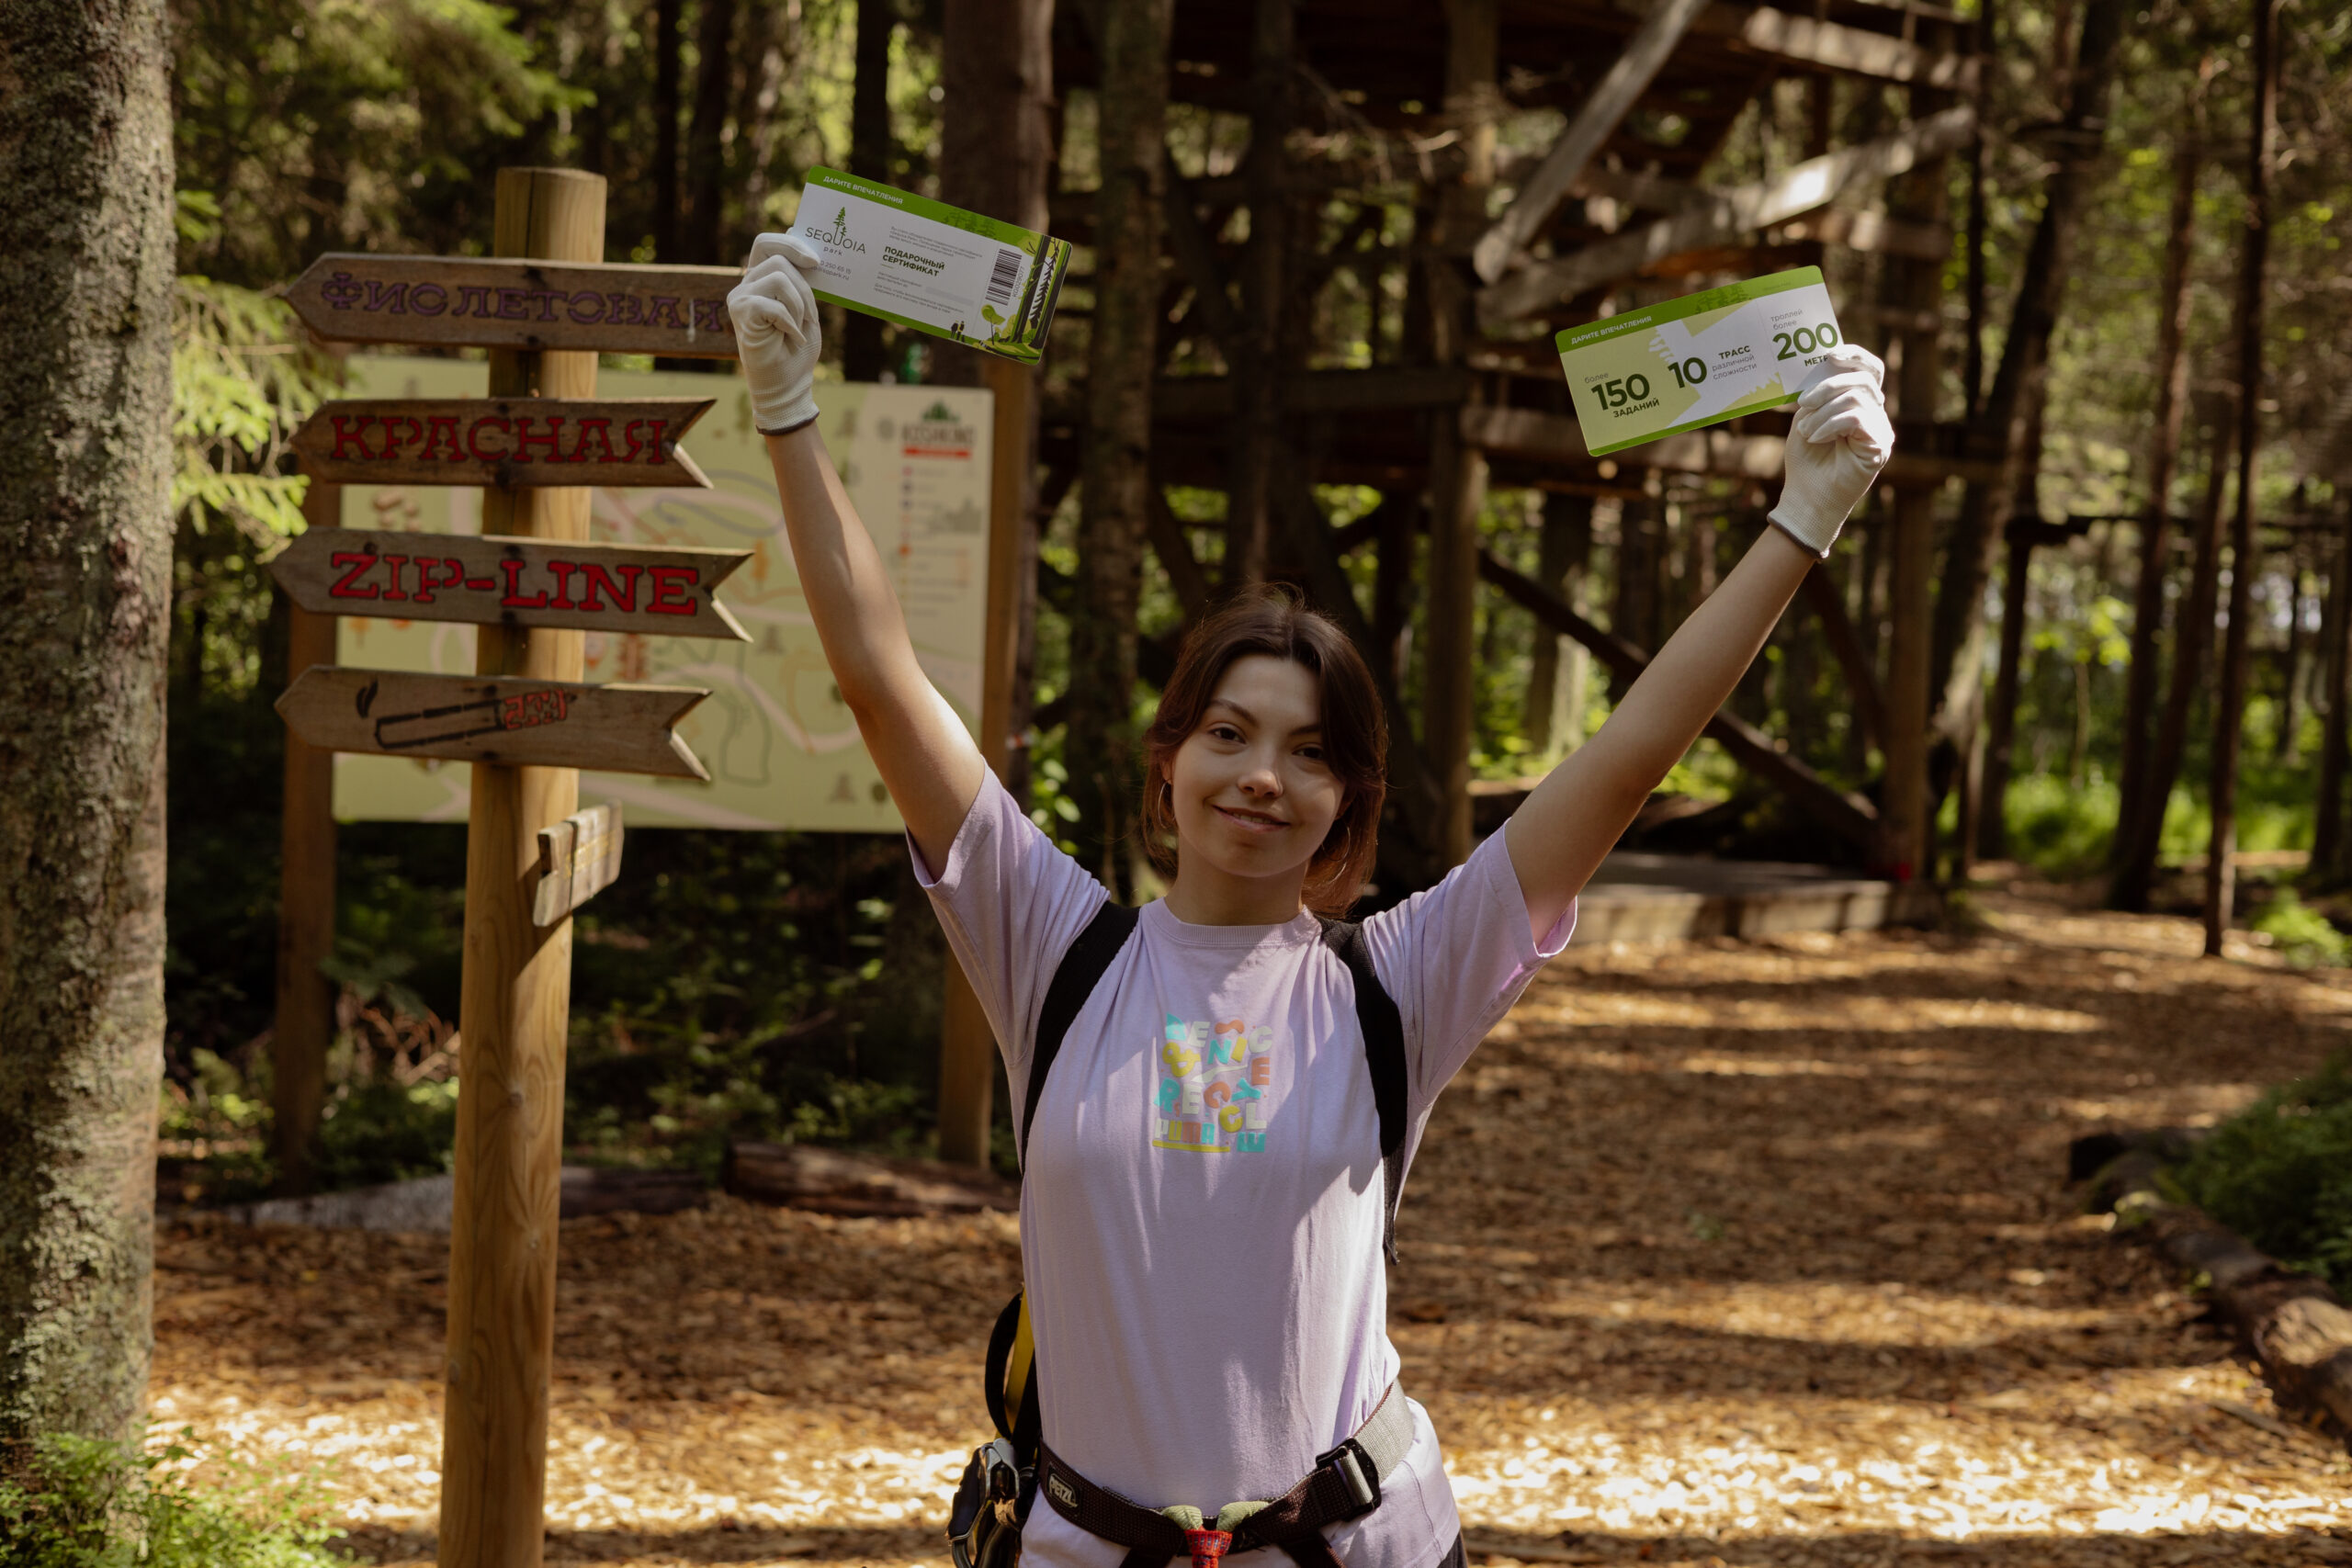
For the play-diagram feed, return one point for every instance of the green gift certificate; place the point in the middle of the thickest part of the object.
(923, 263)
(1698, 360)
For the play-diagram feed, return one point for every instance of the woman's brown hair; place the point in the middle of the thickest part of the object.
(1275, 622)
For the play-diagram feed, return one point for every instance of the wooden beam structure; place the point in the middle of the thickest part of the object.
(1728, 217)
(1788, 38)
(1849, 816)
(1541, 193)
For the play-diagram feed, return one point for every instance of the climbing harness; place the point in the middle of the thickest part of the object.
(999, 1483)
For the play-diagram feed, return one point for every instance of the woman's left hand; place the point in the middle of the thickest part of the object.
(1837, 442)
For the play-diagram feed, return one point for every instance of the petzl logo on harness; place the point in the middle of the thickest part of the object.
(1063, 1490)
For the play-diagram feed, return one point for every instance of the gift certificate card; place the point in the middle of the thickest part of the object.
(1698, 360)
(923, 263)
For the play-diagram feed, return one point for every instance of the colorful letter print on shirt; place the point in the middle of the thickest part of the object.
(1216, 1079)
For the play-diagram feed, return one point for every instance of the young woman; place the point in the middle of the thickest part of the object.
(1201, 1222)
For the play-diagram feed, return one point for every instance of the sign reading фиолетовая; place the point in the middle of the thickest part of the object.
(923, 263)
(493, 302)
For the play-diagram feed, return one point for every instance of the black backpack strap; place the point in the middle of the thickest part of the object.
(1384, 1052)
(1074, 981)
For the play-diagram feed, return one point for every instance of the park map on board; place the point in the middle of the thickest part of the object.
(782, 750)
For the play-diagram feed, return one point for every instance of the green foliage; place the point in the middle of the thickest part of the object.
(80, 1503)
(243, 378)
(2279, 1173)
(2301, 933)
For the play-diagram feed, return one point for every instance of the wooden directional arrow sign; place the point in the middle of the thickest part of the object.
(486, 302)
(493, 579)
(504, 441)
(579, 858)
(520, 722)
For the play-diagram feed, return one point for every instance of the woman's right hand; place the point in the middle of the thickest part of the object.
(777, 335)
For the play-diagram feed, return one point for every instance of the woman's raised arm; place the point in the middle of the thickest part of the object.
(927, 760)
(1837, 442)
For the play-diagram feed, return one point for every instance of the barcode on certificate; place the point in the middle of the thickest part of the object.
(1008, 267)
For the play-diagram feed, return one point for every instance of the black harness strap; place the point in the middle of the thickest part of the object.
(1074, 980)
(1384, 1052)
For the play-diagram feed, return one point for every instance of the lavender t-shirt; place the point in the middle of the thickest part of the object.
(1201, 1217)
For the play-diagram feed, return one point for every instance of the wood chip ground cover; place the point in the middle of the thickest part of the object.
(1718, 1254)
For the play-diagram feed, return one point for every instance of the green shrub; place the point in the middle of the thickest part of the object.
(2300, 933)
(2279, 1173)
(79, 1503)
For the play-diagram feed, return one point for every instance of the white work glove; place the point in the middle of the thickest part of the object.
(776, 335)
(1837, 442)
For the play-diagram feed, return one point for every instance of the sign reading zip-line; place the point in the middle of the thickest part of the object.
(486, 302)
(510, 720)
(491, 579)
(504, 441)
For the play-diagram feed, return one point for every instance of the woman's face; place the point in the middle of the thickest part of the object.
(1253, 795)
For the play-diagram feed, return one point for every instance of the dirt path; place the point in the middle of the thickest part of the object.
(1748, 1255)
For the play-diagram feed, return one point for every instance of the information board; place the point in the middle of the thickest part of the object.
(782, 750)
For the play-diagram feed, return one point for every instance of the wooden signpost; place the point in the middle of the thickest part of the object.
(489, 579)
(502, 302)
(503, 720)
(504, 441)
(534, 586)
(578, 857)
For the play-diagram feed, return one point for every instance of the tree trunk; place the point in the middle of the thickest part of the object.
(1256, 367)
(705, 158)
(1558, 668)
(1122, 355)
(2221, 869)
(2019, 383)
(2335, 692)
(2284, 742)
(1992, 829)
(668, 26)
(85, 209)
(2164, 456)
(862, 351)
(2135, 871)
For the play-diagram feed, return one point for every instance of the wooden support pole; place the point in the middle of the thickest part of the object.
(304, 1024)
(1457, 469)
(1917, 288)
(516, 1001)
(967, 1045)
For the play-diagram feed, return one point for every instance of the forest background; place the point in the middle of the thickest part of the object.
(782, 986)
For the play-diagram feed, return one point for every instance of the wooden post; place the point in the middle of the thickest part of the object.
(1904, 811)
(304, 1025)
(516, 1001)
(967, 1045)
(1457, 470)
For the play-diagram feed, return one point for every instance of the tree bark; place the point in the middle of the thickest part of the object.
(1258, 364)
(2019, 385)
(1115, 471)
(2284, 740)
(1991, 829)
(2135, 873)
(2163, 457)
(1558, 668)
(705, 158)
(2221, 869)
(669, 25)
(2336, 691)
(85, 222)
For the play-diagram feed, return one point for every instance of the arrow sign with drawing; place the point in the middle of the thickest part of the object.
(509, 720)
(492, 302)
(502, 441)
(496, 579)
